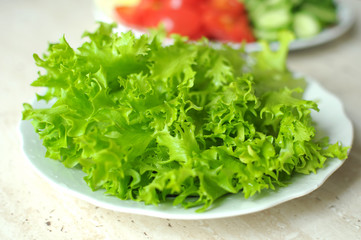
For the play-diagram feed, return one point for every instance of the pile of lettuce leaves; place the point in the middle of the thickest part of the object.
(182, 122)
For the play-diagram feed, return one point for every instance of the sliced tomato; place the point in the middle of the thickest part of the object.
(178, 4)
(184, 21)
(223, 20)
(241, 31)
(231, 7)
(169, 4)
(151, 4)
(134, 15)
(129, 15)
(223, 26)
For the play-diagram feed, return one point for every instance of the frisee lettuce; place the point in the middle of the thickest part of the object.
(146, 121)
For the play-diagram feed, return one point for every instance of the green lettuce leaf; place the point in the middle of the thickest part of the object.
(147, 122)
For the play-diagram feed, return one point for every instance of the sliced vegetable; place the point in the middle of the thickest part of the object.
(305, 25)
(222, 26)
(279, 18)
(185, 21)
(224, 20)
(325, 15)
(305, 18)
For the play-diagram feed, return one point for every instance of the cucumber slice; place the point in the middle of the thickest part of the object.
(274, 19)
(325, 15)
(305, 25)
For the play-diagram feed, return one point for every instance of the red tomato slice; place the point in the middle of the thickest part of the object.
(129, 15)
(134, 15)
(178, 4)
(241, 31)
(184, 21)
(223, 26)
(169, 4)
(223, 20)
(150, 4)
(231, 7)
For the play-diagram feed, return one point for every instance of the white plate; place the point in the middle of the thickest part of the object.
(331, 120)
(345, 15)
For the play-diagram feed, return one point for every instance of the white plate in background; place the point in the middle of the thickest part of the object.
(346, 19)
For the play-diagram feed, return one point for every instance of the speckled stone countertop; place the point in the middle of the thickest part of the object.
(33, 209)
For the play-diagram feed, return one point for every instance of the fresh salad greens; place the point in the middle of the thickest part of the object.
(147, 122)
(305, 18)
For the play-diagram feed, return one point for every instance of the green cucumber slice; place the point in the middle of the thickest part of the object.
(274, 19)
(305, 25)
(325, 15)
